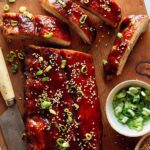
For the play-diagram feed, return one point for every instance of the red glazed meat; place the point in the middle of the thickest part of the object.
(61, 100)
(73, 15)
(130, 30)
(38, 27)
(107, 10)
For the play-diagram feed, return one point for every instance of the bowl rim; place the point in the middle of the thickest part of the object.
(108, 103)
(141, 141)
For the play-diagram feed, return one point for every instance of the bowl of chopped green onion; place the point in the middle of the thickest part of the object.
(128, 108)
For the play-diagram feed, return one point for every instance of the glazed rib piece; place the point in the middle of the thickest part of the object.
(73, 15)
(130, 30)
(107, 10)
(59, 112)
(38, 27)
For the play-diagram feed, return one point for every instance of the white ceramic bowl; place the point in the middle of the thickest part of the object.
(124, 129)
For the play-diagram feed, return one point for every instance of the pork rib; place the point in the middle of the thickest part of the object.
(130, 30)
(38, 27)
(107, 10)
(73, 116)
(73, 15)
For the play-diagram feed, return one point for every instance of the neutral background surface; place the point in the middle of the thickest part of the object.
(100, 49)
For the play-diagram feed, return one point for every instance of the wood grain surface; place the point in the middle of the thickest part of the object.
(100, 49)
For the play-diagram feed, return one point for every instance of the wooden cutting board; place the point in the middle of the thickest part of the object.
(100, 49)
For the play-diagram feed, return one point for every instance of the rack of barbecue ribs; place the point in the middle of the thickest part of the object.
(61, 100)
(130, 30)
(107, 10)
(73, 15)
(38, 27)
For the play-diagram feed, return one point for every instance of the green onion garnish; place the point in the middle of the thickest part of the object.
(75, 106)
(22, 9)
(21, 56)
(88, 136)
(83, 19)
(45, 104)
(63, 64)
(45, 79)
(39, 73)
(14, 23)
(48, 35)
(6, 7)
(84, 69)
(41, 59)
(119, 35)
(104, 62)
(62, 3)
(52, 111)
(11, 56)
(14, 68)
(85, 1)
(11, 1)
(48, 68)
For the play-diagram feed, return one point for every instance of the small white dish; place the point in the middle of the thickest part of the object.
(117, 126)
(141, 141)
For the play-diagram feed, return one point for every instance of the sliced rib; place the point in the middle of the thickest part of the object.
(130, 30)
(107, 10)
(37, 27)
(73, 15)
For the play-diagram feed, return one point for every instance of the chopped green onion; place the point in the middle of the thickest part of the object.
(41, 59)
(15, 68)
(75, 106)
(131, 112)
(14, 23)
(65, 145)
(62, 3)
(62, 144)
(11, 56)
(11, 1)
(61, 128)
(119, 35)
(60, 141)
(118, 110)
(44, 79)
(84, 69)
(45, 104)
(146, 112)
(22, 9)
(83, 19)
(63, 64)
(124, 120)
(39, 73)
(48, 68)
(66, 110)
(143, 93)
(88, 136)
(27, 14)
(52, 111)
(104, 62)
(21, 56)
(121, 95)
(48, 35)
(85, 1)
(6, 7)
(69, 120)
(80, 92)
